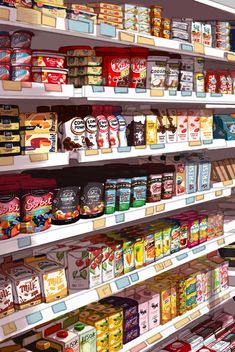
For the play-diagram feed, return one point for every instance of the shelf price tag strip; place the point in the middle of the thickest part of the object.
(122, 283)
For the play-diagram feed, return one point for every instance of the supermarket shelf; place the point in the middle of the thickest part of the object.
(108, 33)
(224, 5)
(86, 156)
(57, 233)
(95, 93)
(149, 339)
(28, 318)
(26, 162)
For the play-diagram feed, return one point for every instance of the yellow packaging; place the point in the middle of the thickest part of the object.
(34, 123)
(166, 233)
(118, 347)
(115, 337)
(115, 317)
(102, 342)
(139, 252)
(96, 319)
(158, 239)
(206, 122)
(165, 299)
(151, 128)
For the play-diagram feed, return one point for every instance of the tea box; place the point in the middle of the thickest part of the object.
(52, 277)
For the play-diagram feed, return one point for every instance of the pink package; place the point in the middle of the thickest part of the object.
(154, 307)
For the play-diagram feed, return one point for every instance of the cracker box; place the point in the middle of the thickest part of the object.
(6, 296)
(45, 122)
(84, 268)
(52, 277)
(40, 143)
(26, 286)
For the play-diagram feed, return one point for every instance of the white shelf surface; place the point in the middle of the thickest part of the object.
(28, 318)
(25, 162)
(149, 339)
(224, 5)
(86, 156)
(108, 33)
(57, 233)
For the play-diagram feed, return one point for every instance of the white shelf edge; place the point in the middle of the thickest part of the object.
(217, 6)
(23, 162)
(77, 300)
(57, 233)
(152, 337)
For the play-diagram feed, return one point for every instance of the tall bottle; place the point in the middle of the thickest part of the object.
(91, 129)
(102, 127)
(113, 126)
(122, 126)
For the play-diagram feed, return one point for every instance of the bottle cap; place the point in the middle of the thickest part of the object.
(79, 327)
(62, 334)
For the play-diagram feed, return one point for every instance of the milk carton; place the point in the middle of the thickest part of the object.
(6, 296)
(86, 335)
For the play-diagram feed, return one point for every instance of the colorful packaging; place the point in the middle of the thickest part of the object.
(6, 296)
(194, 125)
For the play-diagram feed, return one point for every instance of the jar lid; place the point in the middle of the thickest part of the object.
(43, 345)
(62, 334)
(79, 326)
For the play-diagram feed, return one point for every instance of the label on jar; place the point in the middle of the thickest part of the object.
(138, 191)
(154, 188)
(9, 216)
(66, 204)
(138, 72)
(74, 135)
(113, 131)
(123, 194)
(91, 132)
(119, 75)
(92, 202)
(103, 132)
(36, 211)
(110, 196)
(167, 185)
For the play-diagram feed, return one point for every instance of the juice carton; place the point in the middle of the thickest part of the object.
(25, 285)
(182, 125)
(6, 296)
(118, 256)
(128, 255)
(107, 272)
(86, 335)
(171, 133)
(175, 235)
(206, 122)
(194, 126)
(143, 310)
(52, 277)
(139, 252)
(84, 268)
(166, 234)
(151, 128)
(158, 241)
(200, 288)
(149, 249)
(190, 286)
(180, 178)
(162, 126)
(184, 230)
(191, 177)
(96, 319)
(67, 339)
(164, 292)
(203, 225)
(204, 176)
(194, 232)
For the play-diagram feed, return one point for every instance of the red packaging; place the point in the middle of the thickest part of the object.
(211, 82)
(36, 205)
(138, 71)
(116, 66)
(222, 86)
(48, 58)
(9, 210)
(49, 75)
(21, 57)
(178, 346)
(5, 40)
(4, 72)
(5, 56)
(206, 349)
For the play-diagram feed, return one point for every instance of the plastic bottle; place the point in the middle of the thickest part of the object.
(122, 126)
(102, 127)
(113, 126)
(91, 129)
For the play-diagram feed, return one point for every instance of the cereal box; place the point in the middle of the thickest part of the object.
(206, 122)
(52, 277)
(6, 296)
(84, 268)
(26, 286)
(182, 125)
(194, 125)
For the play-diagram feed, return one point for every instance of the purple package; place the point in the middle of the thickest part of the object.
(131, 322)
(129, 306)
(130, 335)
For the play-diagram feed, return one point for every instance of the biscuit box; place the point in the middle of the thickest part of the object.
(26, 286)
(6, 296)
(52, 277)
(45, 122)
(40, 143)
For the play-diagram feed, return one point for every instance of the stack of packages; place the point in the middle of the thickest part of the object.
(223, 35)
(137, 18)
(38, 132)
(55, 9)
(108, 13)
(9, 130)
(84, 68)
(181, 29)
(160, 27)
(81, 12)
